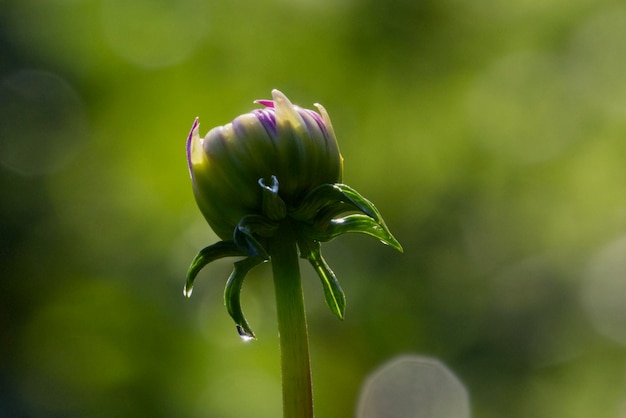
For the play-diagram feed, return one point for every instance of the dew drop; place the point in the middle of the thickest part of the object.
(187, 291)
(245, 336)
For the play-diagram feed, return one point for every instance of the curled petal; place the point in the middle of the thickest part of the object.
(286, 112)
(194, 149)
(266, 103)
(325, 119)
(335, 298)
(232, 294)
(207, 255)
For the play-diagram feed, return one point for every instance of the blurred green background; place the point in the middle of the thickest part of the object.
(490, 134)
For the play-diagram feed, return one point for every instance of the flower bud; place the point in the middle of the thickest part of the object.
(280, 144)
(269, 171)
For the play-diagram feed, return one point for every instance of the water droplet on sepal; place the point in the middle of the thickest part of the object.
(187, 291)
(245, 336)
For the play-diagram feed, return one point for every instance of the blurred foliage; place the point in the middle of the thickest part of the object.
(489, 134)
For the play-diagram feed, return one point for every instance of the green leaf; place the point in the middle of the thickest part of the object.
(207, 255)
(334, 295)
(232, 294)
(354, 223)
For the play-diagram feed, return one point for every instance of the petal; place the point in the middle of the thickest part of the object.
(266, 103)
(194, 150)
(286, 112)
(267, 118)
(234, 157)
(327, 124)
(252, 127)
(333, 146)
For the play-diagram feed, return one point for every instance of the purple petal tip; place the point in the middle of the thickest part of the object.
(266, 103)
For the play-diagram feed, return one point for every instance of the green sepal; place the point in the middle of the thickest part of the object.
(334, 295)
(232, 294)
(247, 230)
(354, 223)
(207, 255)
(360, 202)
(333, 195)
(333, 211)
(272, 205)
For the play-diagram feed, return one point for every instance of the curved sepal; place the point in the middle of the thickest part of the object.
(334, 295)
(333, 211)
(232, 294)
(207, 255)
(272, 205)
(355, 198)
(334, 199)
(355, 223)
(247, 230)
(314, 201)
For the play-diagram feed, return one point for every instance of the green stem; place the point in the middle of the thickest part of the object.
(292, 327)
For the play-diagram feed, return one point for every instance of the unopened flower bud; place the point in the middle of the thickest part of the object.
(281, 143)
(275, 167)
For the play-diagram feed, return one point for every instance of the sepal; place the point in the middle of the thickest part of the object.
(333, 293)
(320, 209)
(272, 205)
(353, 197)
(207, 255)
(354, 223)
(339, 197)
(232, 294)
(248, 229)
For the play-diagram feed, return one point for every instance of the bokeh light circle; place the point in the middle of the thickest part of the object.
(413, 387)
(604, 291)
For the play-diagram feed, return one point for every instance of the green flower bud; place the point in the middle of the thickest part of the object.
(269, 170)
(282, 144)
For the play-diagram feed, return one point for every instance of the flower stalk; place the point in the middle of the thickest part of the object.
(292, 327)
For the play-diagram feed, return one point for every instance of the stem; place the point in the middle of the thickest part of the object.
(292, 327)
